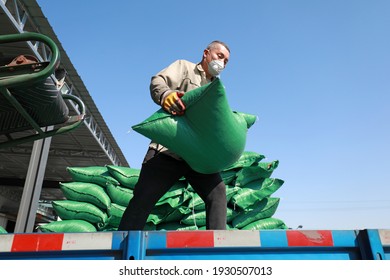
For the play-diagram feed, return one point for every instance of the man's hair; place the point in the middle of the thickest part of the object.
(216, 42)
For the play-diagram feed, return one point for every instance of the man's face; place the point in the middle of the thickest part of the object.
(218, 52)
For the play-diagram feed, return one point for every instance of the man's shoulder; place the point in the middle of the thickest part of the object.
(184, 62)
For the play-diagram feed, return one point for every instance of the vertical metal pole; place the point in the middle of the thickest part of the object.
(134, 246)
(33, 185)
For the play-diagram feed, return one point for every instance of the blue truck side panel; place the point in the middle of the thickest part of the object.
(274, 246)
(200, 245)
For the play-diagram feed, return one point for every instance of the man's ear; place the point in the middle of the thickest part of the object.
(205, 52)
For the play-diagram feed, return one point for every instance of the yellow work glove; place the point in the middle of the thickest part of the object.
(173, 104)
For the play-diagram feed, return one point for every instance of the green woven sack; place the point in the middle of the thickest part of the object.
(228, 176)
(255, 172)
(178, 189)
(92, 174)
(263, 209)
(86, 192)
(177, 214)
(75, 210)
(2, 230)
(267, 223)
(176, 195)
(126, 176)
(175, 226)
(196, 202)
(68, 226)
(119, 195)
(247, 158)
(199, 218)
(149, 227)
(209, 136)
(255, 191)
(231, 191)
(228, 227)
(116, 214)
(159, 214)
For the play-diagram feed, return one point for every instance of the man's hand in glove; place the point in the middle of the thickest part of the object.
(173, 104)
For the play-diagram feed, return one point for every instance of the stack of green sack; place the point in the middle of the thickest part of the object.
(98, 195)
(2, 230)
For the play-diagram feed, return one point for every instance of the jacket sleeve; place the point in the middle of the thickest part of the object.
(167, 80)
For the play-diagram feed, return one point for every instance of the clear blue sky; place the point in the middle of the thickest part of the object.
(316, 73)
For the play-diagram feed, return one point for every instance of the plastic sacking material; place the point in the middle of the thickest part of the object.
(116, 214)
(86, 192)
(116, 217)
(267, 223)
(228, 176)
(196, 202)
(176, 226)
(177, 214)
(2, 230)
(99, 195)
(247, 158)
(159, 214)
(126, 176)
(196, 219)
(199, 218)
(209, 136)
(92, 174)
(119, 195)
(176, 195)
(247, 197)
(174, 201)
(255, 172)
(265, 208)
(76, 210)
(68, 226)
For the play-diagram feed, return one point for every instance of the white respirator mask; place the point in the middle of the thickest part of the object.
(215, 67)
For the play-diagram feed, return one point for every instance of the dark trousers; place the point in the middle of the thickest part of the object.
(158, 174)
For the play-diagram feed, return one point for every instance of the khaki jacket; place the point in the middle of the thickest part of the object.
(182, 76)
